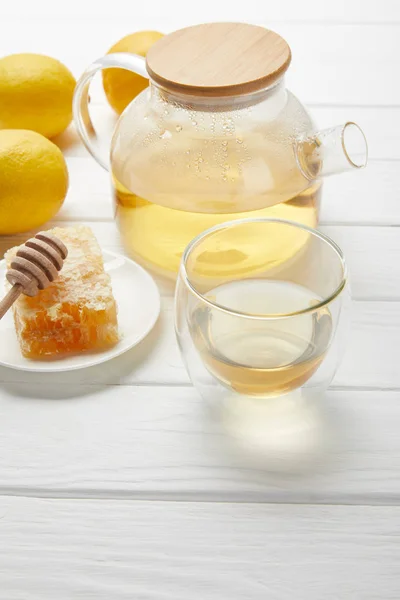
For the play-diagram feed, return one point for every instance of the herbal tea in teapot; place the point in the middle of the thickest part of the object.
(215, 137)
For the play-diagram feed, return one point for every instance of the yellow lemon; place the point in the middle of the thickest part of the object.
(122, 86)
(35, 93)
(33, 180)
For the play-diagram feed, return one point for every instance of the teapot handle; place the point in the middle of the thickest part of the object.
(80, 104)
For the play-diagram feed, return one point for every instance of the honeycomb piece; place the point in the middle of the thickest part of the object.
(75, 313)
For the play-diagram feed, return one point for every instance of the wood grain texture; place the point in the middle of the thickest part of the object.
(144, 15)
(218, 59)
(372, 255)
(331, 64)
(165, 551)
(152, 442)
(9, 299)
(369, 197)
(371, 252)
(369, 359)
(377, 123)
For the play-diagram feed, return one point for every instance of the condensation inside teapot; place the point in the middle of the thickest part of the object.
(178, 169)
(210, 161)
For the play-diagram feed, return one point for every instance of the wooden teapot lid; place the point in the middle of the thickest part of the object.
(218, 59)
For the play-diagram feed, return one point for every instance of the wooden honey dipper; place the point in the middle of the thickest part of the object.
(34, 267)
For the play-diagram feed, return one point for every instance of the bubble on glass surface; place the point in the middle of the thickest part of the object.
(178, 128)
(165, 134)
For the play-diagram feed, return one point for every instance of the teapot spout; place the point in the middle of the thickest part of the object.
(332, 150)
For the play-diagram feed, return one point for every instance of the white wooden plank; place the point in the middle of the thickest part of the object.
(177, 11)
(372, 257)
(367, 197)
(369, 361)
(331, 64)
(371, 356)
(89, 195)
(164, 551)
(371, 252)
(153, 443)
(104, 120)
(377, 123)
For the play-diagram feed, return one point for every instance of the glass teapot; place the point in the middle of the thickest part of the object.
(215, 137)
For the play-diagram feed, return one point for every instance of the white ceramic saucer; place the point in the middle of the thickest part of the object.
(138, 301)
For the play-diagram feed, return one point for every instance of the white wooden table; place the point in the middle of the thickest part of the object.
(113, 484)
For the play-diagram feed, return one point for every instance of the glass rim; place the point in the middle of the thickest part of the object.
(363, 164)
(220, 103)
(263, 317)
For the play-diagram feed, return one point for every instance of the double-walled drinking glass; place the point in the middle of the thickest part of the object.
(272, 329)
